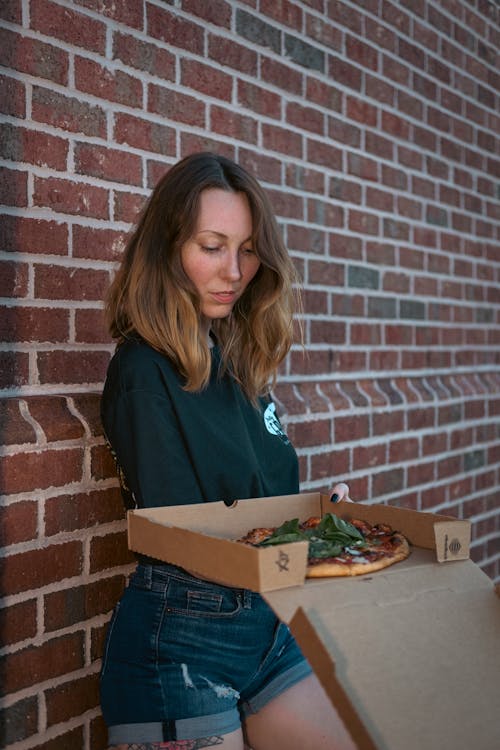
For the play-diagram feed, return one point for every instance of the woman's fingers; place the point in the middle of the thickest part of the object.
(340, 492)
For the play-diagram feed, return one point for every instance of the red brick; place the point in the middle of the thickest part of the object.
(62, 282)
(387, 482)
(14, 428)
(361, 53)
(348, 429)
(90, 327)
(365, 334)
(323, 31)
(12, 97)
(344, 132)
(13, 187)
(334, 463)
(282, 140)
(18, 622)
(97, 244)
(40, 663)
(34, 57)
(19, 720)
(24, 235)
(30, 570)
(127, 206)
(367, 457)
(52, 414)
(68, 113)
(327, 331)
(123, 11)
(306, 239)
(175, 30)
(325, 94)
(232, 55)
(33, 147)
(263, 167)
(88, 407)
(144, 55)
(283, 11)
(310, 433)
(102, 464)
(65, 196)
(11, 10)
(281, 76)
(72, 699)
(83, 510)
(108, 164)
(388, 422)
(64, 23)
(232, 124)
(305, 118)
(13, 279)
(60, 366)
(144, 134)
(71, 605)
(341, 15)
(362, 222)
(380, 199)
(176, 106)
(14, 369)
(23, 472)
(208, 80)
(33, 324)
(404, 449)
(424, 473)
(344, 73)
(260, 100)
(217, 12)
(109, 551)
(362, 167)
(380, 90)
(325, 154)
(111, 85)
(19, 522)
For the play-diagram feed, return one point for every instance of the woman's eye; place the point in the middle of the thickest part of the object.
(248, 250)
(209, 249)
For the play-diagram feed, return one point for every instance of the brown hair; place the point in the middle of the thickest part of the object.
(152, 296)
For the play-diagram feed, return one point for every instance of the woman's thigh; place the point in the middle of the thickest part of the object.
(301, 718)
(232, 741)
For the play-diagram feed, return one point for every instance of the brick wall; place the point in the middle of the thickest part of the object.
(374, 125)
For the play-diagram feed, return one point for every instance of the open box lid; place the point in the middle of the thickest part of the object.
(199, 537)
(410, 656)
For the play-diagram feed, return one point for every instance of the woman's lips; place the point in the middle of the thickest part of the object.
(224, 297)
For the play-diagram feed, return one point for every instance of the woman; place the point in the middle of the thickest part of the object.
(202, 311)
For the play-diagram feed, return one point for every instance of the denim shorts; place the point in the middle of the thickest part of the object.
(186, 658)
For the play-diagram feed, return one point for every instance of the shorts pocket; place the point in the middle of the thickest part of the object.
(201, 601)
(109, 634)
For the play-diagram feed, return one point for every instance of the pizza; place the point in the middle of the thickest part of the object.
(337, 547)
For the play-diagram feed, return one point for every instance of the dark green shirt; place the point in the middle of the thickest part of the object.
(174, 447)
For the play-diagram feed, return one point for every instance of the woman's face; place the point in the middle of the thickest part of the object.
(219, 258)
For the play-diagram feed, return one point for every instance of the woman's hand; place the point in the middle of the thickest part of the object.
(340, 492)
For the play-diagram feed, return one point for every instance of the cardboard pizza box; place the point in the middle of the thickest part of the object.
(200, 537)
(409, 655)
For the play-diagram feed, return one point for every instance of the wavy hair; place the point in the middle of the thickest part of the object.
(152, 296)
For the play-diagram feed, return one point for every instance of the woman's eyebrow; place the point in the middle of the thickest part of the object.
(221, 234)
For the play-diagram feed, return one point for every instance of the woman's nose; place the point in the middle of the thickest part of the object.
(231, 267)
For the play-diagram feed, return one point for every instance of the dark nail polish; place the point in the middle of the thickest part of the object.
(334, 498)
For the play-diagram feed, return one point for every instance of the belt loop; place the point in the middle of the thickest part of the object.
(148, 575)
(247, 599)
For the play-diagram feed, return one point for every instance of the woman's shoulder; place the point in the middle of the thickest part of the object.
(138, 366)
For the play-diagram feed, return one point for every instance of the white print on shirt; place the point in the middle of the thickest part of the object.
(273, 424)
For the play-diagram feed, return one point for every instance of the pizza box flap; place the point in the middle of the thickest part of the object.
(409, 655)
(221, 560)
(199, 537)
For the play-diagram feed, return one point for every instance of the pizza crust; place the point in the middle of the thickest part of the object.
(342, 569)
